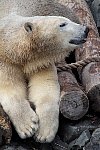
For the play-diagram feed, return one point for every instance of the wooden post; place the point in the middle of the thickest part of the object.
(74, 103)
(91, 73)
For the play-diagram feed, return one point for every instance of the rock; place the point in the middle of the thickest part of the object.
(57, 144)
(0, 137)
(45, 147)
(96, 136)
(81, 141)
(89, 2)
(69, 131)
(91, 146)
(14, 147)
(94, 143)
(95, 8)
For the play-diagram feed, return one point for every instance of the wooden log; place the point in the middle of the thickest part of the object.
(74, 103)
(91, 73)
(5, 128)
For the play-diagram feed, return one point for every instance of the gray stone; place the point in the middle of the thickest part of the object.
(17, 146)
(81, 141)
(57, 144)
(0, 136)
(95, 8)
(69, 131)
(94, 143)
(13, 148)
(89, 2)
(96, 136)
(91, 146)
(45, 147)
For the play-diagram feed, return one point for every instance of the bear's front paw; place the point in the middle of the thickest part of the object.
(48, 126)
(23, 118)
(28, 125)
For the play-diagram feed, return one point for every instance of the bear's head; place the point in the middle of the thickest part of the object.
(41, 39)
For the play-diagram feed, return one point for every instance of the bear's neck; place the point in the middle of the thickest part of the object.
(35, 66)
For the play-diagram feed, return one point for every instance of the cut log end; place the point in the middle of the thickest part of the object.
(74, 105)
(94, 97)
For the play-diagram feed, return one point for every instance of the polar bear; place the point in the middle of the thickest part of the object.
(30, 44)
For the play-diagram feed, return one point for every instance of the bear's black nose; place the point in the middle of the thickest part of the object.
(86, 32)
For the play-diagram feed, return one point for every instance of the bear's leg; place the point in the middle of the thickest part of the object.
(44, 92)
(13, 99)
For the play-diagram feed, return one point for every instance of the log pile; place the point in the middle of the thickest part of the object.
(82, 132)
(91, 73)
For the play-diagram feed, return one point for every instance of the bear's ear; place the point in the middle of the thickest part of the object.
(28, 27)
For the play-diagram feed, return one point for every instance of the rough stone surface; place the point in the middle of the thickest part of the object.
(81, 140)
(14, 146)
(96, 136)
(69, 131)
(94, 5)
(89, 2)
(57, 144)
(46, 147)
(94, 143)
(95, 8)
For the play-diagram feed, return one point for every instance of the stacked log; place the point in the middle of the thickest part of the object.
(74, 102)
(90, 74)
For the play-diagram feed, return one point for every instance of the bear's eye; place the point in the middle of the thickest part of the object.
(28, 26)
(63, 24)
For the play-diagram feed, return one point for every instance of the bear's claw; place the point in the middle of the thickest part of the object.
(28, 125)
(48, 126)
(46, 138)
(23, 118)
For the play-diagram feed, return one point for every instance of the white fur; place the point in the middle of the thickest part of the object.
(13, 98)
(44, 92)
